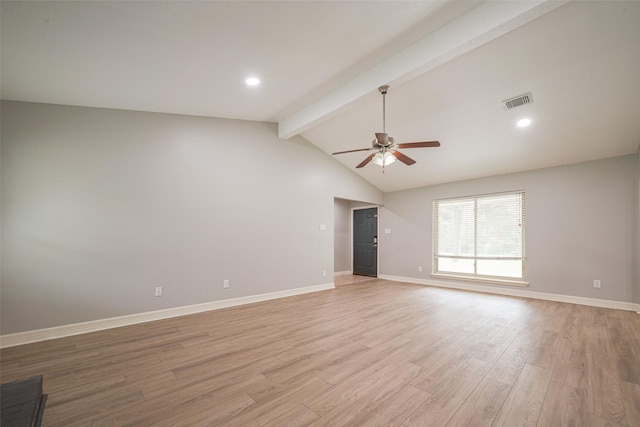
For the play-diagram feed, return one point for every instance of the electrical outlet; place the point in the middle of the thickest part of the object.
(324, 273)
(420, 268)
(596, 283)
(225, 283)
(158, 291)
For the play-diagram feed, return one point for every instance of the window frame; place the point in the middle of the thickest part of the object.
(502, 280)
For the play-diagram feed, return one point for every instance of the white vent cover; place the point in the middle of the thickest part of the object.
(517, 101)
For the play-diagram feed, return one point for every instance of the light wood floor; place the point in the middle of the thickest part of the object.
(369, 353)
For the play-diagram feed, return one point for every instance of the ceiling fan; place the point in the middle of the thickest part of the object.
(386, 147)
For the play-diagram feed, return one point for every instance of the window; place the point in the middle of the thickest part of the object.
(481, 237)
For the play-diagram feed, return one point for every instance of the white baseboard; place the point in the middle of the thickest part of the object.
(343, 273)
(619, 305)
(19, 338)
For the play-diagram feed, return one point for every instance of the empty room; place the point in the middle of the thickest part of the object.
(320, 213)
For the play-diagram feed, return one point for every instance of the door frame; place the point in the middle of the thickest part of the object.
(377, 207)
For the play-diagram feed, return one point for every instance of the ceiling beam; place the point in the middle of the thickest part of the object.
(483, 23)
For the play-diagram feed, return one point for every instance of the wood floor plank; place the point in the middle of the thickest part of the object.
(570, 362)
(83, 410)
(601, 388)
(319, 361)
(524, 402)
(431, 413)
(482, 405)
(544, 352)
(631, 401)
(357, 407)
(339, 370)
(563, 406)
(449, 394)
(510, 364)
(449, 365)
(356, 384)
(260, 414)
(396, 409)
(460, 385)
(209, 379)
(374, 352)
(267, 391)
(207, 410)
(492, 350)
(627, 357)
(432, 352)
(141, 414)
(596, 421)
(298, 416)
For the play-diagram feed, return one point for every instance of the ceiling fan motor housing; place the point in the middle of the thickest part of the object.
(382, 140)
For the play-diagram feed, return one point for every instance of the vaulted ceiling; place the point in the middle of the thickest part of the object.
(449, 65)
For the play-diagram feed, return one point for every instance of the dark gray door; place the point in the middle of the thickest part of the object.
(365, 242)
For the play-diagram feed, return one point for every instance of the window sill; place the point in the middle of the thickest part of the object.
(495, 281)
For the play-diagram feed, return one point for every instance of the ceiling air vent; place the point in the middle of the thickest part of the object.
(517, 101)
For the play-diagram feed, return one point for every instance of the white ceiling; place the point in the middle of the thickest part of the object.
(449, 64)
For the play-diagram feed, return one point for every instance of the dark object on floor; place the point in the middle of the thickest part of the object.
(22, 403)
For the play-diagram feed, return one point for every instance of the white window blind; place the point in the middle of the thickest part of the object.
(480, 236)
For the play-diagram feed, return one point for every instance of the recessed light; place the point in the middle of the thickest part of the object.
(252, 81)
(523, 123)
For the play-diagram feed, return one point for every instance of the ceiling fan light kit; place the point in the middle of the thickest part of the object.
(383, 159)
(386, 146)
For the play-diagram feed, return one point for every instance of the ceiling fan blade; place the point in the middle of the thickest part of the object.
(353, 151)
(419, 144)
(365, 161)
(404, 159)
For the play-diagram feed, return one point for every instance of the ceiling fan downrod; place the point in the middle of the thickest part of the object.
(383, 90)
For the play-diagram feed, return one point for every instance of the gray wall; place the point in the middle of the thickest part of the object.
(581, 224)
(101, 206)
(637, 258)
(342, 235)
